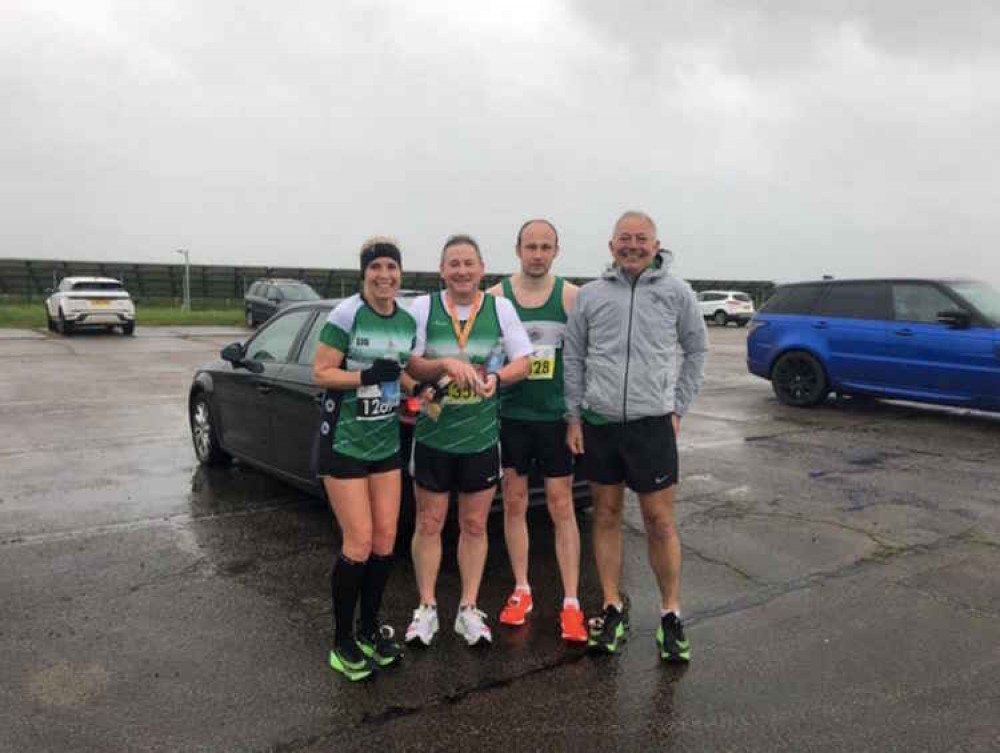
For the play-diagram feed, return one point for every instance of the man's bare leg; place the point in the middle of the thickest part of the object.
(664, 544)
(609, 503)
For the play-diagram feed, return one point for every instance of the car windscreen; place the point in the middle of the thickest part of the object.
(298, 293)
(96, 285)
(984, 297)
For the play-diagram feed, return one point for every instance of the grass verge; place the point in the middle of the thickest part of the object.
(32, 316)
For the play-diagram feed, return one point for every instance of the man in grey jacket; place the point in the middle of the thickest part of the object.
(625, 396)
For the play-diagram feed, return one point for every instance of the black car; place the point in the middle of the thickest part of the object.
(265, 298)
(258, 403)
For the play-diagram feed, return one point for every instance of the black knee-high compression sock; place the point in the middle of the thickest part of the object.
(345, 585)
(372, 587)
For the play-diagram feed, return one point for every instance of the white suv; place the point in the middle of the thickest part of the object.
(90, 302)
(724, 306)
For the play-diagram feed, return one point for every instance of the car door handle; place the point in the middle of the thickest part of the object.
(819, 325)
(905, 332)
(263, 388)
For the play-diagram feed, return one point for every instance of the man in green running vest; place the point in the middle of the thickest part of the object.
(463, 338)
(533, 426)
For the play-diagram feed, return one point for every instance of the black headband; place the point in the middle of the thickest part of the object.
(378, 250)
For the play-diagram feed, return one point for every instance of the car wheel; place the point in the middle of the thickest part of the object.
(742, 322)
(720, 319)
(250, 320)
(64, 327)
(798, 379)
(128, 328)
(203, 435)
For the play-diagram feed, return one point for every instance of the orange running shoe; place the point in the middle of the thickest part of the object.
(573, 628)
(518, 607)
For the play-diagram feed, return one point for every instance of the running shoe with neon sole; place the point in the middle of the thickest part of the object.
(572, 624)
(471, 625)
(609, 631)
(519, 606)
(348, 659)
(381, 646)
(674, 645)
(424, 625)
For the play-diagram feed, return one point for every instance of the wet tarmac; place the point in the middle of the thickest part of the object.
(839, 584)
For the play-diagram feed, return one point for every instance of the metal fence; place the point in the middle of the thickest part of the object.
(29, 279)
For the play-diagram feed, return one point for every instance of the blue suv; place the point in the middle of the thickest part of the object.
(933, 341)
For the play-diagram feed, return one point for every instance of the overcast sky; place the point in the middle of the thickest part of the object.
(768, 140)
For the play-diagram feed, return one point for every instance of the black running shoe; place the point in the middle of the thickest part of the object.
(380, 646)
(348, 659)
(674, 645)
(609, 631)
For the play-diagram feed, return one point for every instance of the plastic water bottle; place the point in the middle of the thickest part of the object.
(390, 390)
(495, 359)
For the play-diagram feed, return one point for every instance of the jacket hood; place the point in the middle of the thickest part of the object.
(661, 265)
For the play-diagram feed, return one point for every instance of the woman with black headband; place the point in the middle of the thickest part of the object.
(363, 346)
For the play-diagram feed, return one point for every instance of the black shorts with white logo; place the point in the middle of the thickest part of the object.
(642, 453)
(540, 442)
(338, 465)
(440, 471)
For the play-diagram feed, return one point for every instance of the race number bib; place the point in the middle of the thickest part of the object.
(371, 406)
(542, 363)
(460, 396)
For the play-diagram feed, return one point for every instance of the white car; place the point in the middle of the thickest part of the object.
(90, 302)
(724, 306)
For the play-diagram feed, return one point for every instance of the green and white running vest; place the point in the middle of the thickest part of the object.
(540, 396)
(362, 424)
(468, 423)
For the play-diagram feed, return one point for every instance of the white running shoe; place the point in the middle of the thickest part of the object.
(424, 625)
(471, 625)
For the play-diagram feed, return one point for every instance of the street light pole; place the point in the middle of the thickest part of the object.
(186, 305)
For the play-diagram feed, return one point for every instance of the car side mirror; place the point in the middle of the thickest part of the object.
(232, 353)
(48, 291)
(235, 354)
(957, 319)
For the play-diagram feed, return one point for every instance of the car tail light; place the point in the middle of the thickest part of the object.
(755, 324)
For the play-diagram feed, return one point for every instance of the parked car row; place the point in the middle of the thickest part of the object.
(89, 302)
(933, 341)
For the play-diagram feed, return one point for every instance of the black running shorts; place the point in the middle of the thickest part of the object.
(337, 465)
(540, 442)
(440, 471)
(642, 453)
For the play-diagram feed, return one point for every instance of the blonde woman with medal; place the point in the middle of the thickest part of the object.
(463, 338)
(361, 349)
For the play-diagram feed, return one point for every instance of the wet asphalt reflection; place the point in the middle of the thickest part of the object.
(839, 584)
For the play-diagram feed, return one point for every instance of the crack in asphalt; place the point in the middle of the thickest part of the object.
(688, 549)
(180, 518)
(777, 591)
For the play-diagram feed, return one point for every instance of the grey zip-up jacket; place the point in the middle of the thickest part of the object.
(620, 348)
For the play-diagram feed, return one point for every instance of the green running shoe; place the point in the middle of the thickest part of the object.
(674, 645)
(609, 631)
(380, 646)
(348, 659)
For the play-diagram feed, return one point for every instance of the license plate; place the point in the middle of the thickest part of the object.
(101, 302)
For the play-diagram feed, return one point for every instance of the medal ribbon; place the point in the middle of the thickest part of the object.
(462, 333)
